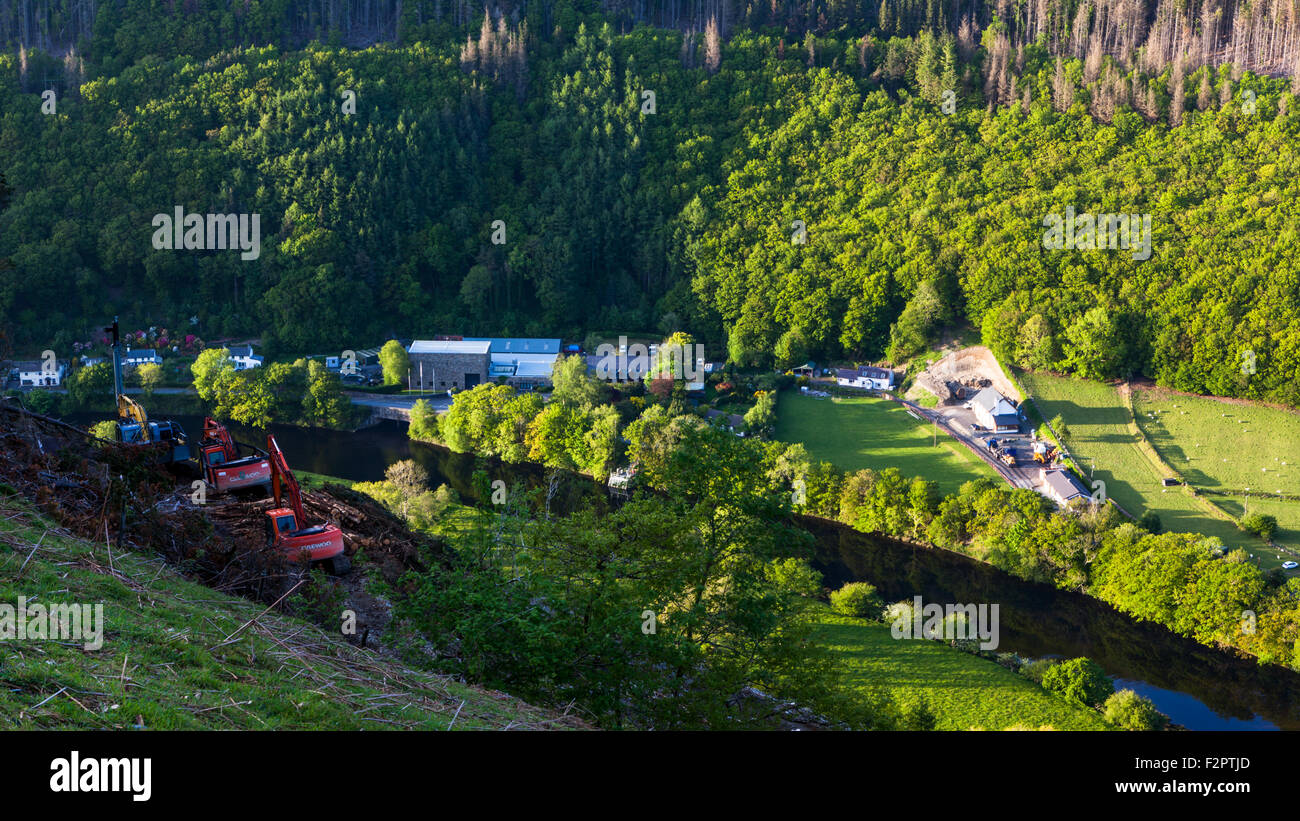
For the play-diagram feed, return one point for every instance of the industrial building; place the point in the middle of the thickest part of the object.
(439, 365)
(442, 364)
(524, 363)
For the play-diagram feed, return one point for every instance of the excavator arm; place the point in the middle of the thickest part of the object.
(283, 482)
(129, 410)
(217, 432)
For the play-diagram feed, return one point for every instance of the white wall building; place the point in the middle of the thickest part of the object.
(243, 358)
(865, 376)
(131, 359)
(34, 374)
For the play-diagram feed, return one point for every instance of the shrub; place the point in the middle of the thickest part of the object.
(1260, 524)
(796, 577)
(857, 599)
(1131, 711)
(1080, 680)
(105, 430)
(424, 421)
(1035, 670)
(1011, 661)
(1058, 424)
(917, 715)
(42, 402)
(956, 626)
(900, 612)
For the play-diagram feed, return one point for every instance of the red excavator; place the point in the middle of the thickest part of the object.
(223, 468)
(286, 527)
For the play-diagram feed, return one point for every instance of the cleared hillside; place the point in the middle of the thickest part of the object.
(178, 655)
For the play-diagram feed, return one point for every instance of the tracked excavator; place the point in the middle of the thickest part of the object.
(224, 468)
(286, 524)
(133, 425)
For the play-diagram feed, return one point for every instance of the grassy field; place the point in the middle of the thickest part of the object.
(964, 691)
(1223, 445)
(1104, 440)
(1251, 452)
(856, 433)
(177, 655)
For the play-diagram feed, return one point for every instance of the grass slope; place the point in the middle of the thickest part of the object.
(1104, 439)
(964, 691)
(1230, 447)
(174, 655)
(856, 433)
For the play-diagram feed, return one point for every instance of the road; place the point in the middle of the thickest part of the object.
(397, 401)
(128, 391)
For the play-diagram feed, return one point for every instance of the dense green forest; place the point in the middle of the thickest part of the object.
(513, 177)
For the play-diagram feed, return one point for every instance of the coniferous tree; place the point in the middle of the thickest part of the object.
(712, 47)
(1177, 94)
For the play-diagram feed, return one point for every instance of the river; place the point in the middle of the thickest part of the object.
(1198, 687)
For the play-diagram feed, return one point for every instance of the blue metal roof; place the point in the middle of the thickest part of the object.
(503, 344)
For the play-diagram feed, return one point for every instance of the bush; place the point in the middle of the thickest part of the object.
(917, 715)
(1058, 424)
(1011, 661)
(1131, 711)
(1080, 680)
(796, 577)
(105, 430)
(857, 599)
(957, 625)
(424, 421)
(1260, 524)
(1035, 670)
(899, 612)
(42, 402)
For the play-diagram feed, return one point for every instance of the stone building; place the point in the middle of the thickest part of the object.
(437, 365)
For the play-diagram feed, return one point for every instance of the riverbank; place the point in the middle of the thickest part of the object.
(959, 690)
(963, 691)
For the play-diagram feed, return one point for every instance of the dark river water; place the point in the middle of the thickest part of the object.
(1198, 687)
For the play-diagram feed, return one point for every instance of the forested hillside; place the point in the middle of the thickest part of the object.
(679, 211)
(1260, 36)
